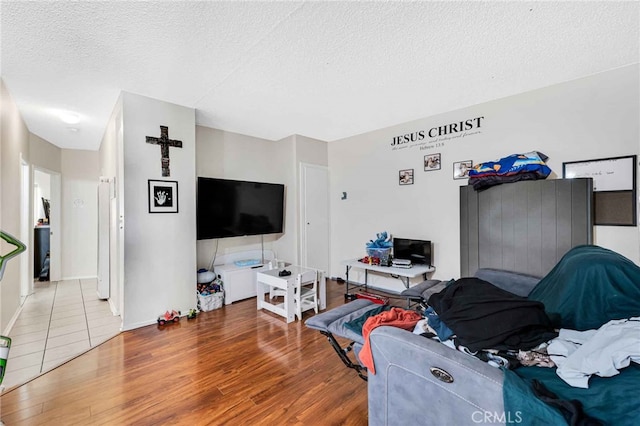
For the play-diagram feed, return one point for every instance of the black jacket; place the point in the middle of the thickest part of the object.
(484, 316)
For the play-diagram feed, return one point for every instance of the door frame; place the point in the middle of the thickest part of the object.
(55, 221)
(26, 223)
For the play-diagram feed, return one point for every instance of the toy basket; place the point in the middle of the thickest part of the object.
(379, 252)
(211, 301)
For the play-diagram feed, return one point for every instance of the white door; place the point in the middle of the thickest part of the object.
(314, 206)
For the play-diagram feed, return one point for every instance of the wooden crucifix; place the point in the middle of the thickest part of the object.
(164, 143)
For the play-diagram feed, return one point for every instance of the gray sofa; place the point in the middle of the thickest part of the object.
(408, 387)
(420, 381)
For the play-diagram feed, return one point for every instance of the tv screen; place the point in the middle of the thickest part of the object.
(233, 208)
(417, 251)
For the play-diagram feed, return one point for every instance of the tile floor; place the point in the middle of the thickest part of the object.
(59, 321)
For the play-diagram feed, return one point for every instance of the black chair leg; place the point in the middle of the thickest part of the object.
(342, 353)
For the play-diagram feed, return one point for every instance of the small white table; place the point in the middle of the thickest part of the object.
(265, 279)
(406, 273)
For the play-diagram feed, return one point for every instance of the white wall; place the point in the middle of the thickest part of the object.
(44, 154)
(14, 142)
(159, 250)
(79, 240)
(285, 161)
(593, 117)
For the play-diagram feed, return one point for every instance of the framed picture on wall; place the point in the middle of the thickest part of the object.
(163, 196)
(405, 177)
(461, 169)
(432, 162)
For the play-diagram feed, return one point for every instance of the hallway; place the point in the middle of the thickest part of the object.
(58, 322)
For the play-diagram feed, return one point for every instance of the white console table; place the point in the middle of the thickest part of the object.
(405, 273)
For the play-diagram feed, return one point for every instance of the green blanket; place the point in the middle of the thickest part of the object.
(588, 287)
(357, 324)
(612, 400)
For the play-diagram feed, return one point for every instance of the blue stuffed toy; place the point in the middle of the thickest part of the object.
(383, 240)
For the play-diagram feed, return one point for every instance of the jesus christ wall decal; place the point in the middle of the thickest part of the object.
(164, 143)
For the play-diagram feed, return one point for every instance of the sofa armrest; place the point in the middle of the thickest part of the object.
(404, 390)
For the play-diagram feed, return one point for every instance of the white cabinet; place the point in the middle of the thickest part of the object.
(239, 281)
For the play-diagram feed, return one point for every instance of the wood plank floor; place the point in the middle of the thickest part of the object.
(234, 365)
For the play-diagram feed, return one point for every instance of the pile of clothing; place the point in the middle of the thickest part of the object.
(478, 318)
(505, 330)
(516, 167)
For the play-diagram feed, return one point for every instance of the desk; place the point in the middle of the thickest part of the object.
(405, 273)
(264, 279)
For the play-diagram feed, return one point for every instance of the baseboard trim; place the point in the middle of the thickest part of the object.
(85, 277)
(112, 306)
(138, 325)
(13, 320)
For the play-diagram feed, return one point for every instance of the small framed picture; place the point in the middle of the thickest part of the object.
(431, 162)
(461, 169)
(406, 177)
(163, 196)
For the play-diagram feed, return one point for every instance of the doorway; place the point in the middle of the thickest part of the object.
(46, 225)
(59, 319)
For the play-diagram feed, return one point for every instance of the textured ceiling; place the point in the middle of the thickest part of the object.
(322, 69)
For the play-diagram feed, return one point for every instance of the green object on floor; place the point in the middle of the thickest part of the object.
(5, 344)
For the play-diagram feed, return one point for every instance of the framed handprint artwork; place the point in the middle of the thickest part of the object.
(163, 196)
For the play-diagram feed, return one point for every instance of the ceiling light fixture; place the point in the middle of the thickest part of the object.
(69, 117)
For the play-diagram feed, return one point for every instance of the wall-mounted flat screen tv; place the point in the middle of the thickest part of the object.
(233, 208)
(417, 251)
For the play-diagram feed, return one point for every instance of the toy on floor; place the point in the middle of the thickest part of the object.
(192, 314)
(169, 316)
